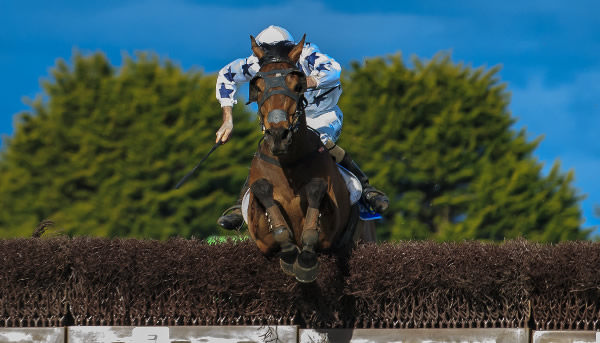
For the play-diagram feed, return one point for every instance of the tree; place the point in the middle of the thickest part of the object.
(438, 139)
(102, 155)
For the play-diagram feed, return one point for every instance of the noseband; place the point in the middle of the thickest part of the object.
(276, 79)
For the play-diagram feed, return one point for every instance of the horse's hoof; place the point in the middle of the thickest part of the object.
(306, 275)
(287, 268)
(306, 267)
(287, 260)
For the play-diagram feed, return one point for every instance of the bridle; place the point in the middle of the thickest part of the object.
(276, 79)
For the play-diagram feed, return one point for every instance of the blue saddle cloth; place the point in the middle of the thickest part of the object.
(366, 213)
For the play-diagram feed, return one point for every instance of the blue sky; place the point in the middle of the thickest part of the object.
(549, 51)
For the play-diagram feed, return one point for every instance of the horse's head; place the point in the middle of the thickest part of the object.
(278, 89)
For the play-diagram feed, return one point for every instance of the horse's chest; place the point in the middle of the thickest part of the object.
(288, 191)
(294, 183)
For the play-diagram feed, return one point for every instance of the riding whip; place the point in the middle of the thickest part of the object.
(188, 175)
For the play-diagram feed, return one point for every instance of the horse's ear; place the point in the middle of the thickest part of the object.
(294, 55)
(258, 51)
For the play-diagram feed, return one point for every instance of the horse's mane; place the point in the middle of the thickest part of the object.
(277, 51)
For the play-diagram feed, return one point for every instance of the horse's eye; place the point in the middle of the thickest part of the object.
(298, 88)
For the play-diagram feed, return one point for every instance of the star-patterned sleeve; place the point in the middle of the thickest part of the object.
(321, 66)
(237, 72)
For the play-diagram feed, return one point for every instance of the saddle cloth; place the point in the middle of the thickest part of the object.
(352, 183)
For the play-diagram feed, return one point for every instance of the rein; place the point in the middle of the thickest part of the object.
(300, 107)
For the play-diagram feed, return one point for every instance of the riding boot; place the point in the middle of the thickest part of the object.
(373, 197)
(232, 218)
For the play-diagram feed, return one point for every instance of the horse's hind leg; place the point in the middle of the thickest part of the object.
(263, 191)
(306, 267)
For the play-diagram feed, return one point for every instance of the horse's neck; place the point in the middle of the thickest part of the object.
(304, 142)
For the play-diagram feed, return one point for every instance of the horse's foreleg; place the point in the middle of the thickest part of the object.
(263, 191)
(306, 267)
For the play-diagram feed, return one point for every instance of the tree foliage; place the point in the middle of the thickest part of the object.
(438, 139)
(102, 156)
(100, 153)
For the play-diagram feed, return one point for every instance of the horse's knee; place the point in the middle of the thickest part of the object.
(282, 235)
(263, 190)
(315, 190)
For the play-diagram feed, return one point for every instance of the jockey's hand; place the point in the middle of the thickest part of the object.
(311, 82)
(225, 130)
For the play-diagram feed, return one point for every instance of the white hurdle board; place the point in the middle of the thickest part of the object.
(28, 335)
(181, 334)
(283, 334)
(415, 335)
(566, 337)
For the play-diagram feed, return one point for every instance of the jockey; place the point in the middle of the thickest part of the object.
(322, 112)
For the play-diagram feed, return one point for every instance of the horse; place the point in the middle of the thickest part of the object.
(297, 196)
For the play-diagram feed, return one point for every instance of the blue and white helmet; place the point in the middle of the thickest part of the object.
(274, 34)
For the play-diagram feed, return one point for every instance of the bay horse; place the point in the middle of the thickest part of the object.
(297, 196)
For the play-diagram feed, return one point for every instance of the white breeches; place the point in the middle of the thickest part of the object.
(327, 124)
